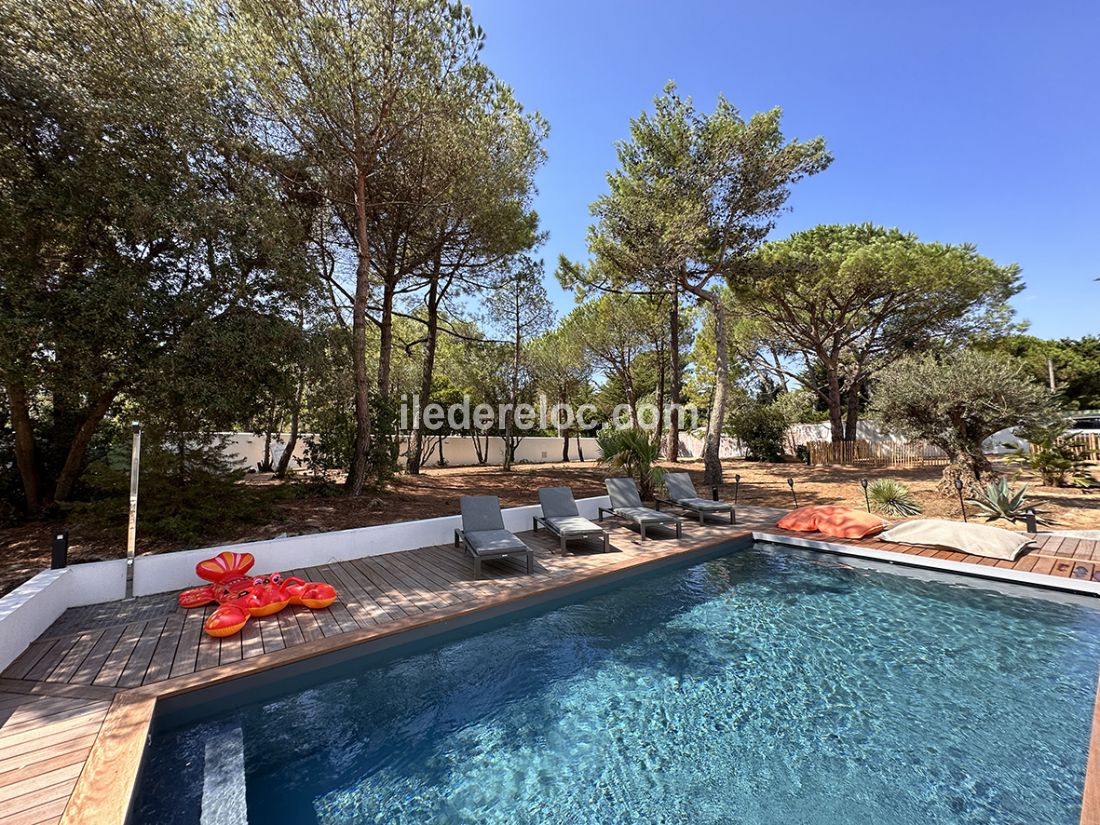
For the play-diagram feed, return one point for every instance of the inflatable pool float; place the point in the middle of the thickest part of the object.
(240, 596)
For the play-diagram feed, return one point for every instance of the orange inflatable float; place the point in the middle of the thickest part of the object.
(240, 596)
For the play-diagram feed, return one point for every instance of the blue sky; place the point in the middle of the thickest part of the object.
(959, 121)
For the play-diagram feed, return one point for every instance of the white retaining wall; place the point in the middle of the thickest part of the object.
(27, 611)
(30, 609)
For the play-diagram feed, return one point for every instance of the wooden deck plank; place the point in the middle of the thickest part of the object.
(28, 805)
(29, 658)
(120, 655)
(134, 673)
(46, 813)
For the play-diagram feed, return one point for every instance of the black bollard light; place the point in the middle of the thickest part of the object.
(866, 497)
(959, 490)
(1030, 520)
(59, 555)
(790, 483)
(736, 487)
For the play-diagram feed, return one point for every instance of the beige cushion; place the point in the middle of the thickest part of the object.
(976, 539)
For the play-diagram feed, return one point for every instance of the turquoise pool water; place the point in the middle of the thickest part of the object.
(768, 686)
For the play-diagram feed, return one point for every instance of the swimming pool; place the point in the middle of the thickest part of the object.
(767, 686)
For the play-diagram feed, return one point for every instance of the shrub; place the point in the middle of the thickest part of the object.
(189, 494)
(892, 498)
(761, 429)
(636, 453)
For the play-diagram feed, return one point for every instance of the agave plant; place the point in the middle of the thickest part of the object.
(636, 453)
(892, 498)
(999, 501)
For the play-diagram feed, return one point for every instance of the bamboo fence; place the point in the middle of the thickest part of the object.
(882, 454)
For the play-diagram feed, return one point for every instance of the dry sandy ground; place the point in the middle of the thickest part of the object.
(24, 550)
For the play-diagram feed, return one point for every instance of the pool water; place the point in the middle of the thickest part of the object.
(768, 686)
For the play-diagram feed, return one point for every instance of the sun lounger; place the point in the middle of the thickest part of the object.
(681, 493)
(483, 534)
(627, 505)
(561, 517)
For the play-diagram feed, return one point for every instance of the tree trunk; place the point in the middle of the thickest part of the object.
(266, 466)
(357, 473)
(972, 467)
(580, 450)
(385, 337)
(292, 439)
(660, 400)
(510, 415)
(851, 423)
(415, 459)
(712, 457)
(672, 451)
(78, 448)
(836, 405)
(25, 457)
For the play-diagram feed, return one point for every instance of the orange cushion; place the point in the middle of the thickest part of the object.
(850, 524)
(804, 519)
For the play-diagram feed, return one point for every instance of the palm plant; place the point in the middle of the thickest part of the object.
(1052, 455)
(892, 498)
(636, 453)
(999, 501)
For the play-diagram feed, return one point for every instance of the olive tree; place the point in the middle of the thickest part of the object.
(957, 402)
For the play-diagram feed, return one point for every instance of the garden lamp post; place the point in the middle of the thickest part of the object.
(866, 497)
(790, 483)
(131, 527)
(736, 487)
(959, 490)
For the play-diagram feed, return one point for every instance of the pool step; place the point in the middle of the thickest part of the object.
(223, 784)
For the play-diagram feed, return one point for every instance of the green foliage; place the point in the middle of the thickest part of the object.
(634, 452)
(849, 299)
(189, 493)
(693, 194)
(957, 402)
(1076, 364)
(892, 498)
(1052, 455)
(761, 428)
(999, 501)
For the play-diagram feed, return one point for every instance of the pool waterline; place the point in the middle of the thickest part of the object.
(785, 582)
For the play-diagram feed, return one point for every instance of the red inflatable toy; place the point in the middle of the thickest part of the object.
(240, 596)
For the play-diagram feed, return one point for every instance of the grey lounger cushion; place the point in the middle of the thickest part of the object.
(557, 502)
(645, 514)
(682, 492)
(623, 493)
(560, 514)
(703, 504)
(572, 525)
(493, 542)
(480, 513)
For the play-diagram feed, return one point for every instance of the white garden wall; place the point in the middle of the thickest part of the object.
(868, 431)
(459, 450)
(247, 449)
(30, 609)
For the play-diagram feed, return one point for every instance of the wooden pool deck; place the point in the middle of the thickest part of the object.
(75, 706)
